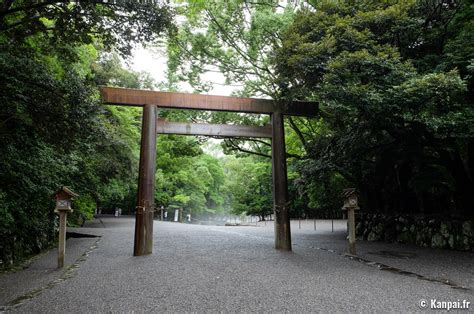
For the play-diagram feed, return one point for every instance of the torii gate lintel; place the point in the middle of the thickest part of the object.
(150, 100)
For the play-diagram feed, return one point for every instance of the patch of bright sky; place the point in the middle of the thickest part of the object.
(213, 147)
(153, 61)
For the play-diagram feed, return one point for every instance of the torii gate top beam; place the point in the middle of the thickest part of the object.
(138, 97)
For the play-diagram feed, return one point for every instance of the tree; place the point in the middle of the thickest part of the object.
(249, 186)
(397, 111)
(53, 130)
(187, 178)
(117, 24)
(237, 39)
(48, 116)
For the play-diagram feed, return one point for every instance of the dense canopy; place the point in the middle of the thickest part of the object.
(394, 80)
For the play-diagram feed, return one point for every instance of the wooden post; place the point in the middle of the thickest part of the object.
(63, 205)
(146, 184)
(62, 238)
(350, 206)
(280, 184)
(351, 226)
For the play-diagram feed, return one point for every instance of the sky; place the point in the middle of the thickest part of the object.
(153, 61)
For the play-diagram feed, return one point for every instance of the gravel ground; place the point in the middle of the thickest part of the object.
(41, 271)
(235, 269)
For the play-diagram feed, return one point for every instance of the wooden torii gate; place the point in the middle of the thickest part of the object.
(151, 100)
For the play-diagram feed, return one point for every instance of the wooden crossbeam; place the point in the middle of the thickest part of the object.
(137, 97)
(221, 130)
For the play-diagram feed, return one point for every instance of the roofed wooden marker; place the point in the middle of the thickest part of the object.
(138, 97)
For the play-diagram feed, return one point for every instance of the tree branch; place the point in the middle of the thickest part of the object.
(37, 5)
(298, 131)
(262, 142)
(243, 150)
(231, 42)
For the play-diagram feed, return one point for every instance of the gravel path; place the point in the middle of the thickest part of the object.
(236, 269)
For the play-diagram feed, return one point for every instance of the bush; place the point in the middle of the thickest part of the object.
(84, 208)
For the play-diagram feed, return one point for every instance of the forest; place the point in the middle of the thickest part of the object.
(393, 80)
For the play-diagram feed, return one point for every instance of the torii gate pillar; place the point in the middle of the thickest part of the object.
(146, 184)
(280, 184)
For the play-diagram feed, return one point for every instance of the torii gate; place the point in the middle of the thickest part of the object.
(151, 100)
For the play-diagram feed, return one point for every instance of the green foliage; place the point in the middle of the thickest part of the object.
(187, 177)
(234, 37)
(53, 130)
(48, 118)
(83, 209)
(394, 81)
(395, 99)
(109, 72)
(237, 39)
(114, 25)
(249, 186)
